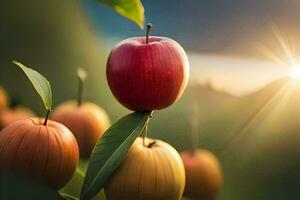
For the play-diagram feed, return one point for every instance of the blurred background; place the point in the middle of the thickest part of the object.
(244, 88)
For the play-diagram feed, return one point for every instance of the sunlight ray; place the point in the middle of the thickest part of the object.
(286, 45)
(271, 55)
(272, 120)
(284, 42)
(240, 132)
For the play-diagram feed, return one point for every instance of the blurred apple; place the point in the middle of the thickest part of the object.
(86, 121)
(10, 115)
(3, 99)
(203, 175)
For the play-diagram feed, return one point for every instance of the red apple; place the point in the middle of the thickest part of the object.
(203, 175)
(147, 74)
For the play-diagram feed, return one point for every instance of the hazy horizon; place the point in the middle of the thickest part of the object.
(234, 74)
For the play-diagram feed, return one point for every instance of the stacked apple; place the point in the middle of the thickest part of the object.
(146, 74)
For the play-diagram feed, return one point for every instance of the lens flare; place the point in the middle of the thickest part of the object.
(295, 72)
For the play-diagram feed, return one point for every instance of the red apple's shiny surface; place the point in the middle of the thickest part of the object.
(203, 175)
(146, 77)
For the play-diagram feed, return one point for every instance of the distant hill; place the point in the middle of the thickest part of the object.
(257, 138)
(239, 115)
(243, 115)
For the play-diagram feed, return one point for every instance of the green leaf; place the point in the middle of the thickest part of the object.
(74, 186)
(68, 197)
(83, 165)
(40, 83)
(131, 9)
(15, 187)
(110, 150)
(72, 190)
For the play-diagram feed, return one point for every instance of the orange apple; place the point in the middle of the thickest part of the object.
(46, 152)
(9, 115)
(3, 99)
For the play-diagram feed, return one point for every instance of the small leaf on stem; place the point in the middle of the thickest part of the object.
(41, 85)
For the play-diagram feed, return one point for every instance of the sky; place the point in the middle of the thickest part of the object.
(234, 30)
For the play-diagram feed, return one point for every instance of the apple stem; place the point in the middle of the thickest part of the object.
(144, 134)
(81, 74)
(80, 92)
(151, 144)
(145, 129)
(47, 116)
(149, 28)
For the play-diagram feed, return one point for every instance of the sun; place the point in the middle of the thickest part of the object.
(295, 72)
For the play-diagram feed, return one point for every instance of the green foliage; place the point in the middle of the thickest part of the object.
(131, 9)
(110, 150)
(40, 83)
(72, 189)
